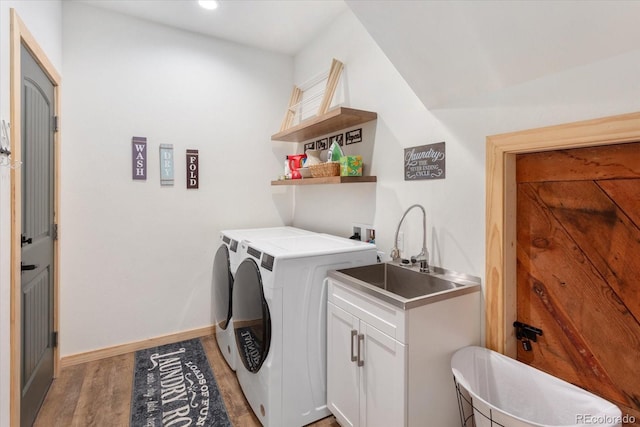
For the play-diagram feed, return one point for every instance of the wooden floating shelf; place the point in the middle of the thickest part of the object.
(334, 120)
(326, 180)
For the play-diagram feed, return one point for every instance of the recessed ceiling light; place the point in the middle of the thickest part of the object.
(208, 4)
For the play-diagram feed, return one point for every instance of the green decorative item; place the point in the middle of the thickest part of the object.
(335, 152)
(351, 166)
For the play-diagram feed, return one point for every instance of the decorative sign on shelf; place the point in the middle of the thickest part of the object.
(339, 138)
(353, 136)
(350, 137)
(139, 158)
(192, 169)
(166, 164)
(424, 162)
(322, 144)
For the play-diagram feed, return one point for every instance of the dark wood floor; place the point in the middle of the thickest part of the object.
(99, 394)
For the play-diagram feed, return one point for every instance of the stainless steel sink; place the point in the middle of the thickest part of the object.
(405, 286)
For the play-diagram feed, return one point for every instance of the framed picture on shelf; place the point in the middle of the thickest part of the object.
(309, 146)
(339, 138)
(353, 136)
(322, 144)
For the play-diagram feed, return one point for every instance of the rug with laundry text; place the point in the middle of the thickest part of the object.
(173, 385)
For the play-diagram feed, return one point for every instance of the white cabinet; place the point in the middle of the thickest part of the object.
(365, 372)
(382, 385)
(405, 378)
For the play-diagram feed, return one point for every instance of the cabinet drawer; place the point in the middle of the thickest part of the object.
(378, 314)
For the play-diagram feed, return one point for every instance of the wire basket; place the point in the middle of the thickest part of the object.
(469, 411)
(325, 169)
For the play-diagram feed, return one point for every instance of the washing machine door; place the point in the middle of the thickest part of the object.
(251, 319)
(222, 287)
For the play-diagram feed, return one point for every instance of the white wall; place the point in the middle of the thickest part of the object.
(456, 205)
(136, 258)
(43, 19)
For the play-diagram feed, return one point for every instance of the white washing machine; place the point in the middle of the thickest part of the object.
(225, 263)
(279, 319)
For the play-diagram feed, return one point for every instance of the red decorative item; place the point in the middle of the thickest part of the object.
(295, 163)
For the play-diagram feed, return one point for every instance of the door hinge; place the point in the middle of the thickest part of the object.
(54, 232)
(55, 123)
(54, 339)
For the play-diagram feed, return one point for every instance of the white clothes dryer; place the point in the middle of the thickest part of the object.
(279, 310)
(225, 263)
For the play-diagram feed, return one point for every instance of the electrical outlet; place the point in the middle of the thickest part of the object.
(401, 241)
(365, 232)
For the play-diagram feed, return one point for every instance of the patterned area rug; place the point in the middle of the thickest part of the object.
(173, 385)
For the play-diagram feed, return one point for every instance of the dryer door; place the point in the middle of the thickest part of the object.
(222, 287)
(251, 319)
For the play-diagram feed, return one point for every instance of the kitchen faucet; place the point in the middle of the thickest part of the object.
(423, 256)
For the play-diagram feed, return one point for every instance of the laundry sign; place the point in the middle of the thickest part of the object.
(424, 162)
(166, 164)
(139, 158)
(192, 169)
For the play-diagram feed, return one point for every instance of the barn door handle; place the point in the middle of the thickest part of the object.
(28, 267)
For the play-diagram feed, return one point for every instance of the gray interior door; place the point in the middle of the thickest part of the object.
(37, 236)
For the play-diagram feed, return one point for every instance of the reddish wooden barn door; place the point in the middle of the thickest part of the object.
(578, 272)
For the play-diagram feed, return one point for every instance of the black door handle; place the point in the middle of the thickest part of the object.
(28, 267)
(25, 241)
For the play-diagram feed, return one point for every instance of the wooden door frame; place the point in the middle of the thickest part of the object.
(500, 273)
(20, 35)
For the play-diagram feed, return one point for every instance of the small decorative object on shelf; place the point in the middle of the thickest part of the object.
(313, 157)
(351, 166)
(325, 169)
(335, 152)
(353, 136)
(295, 163)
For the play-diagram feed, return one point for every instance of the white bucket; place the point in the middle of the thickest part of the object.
(506, 392)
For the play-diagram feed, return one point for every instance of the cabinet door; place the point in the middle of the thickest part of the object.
(383, 384)
(343, 375)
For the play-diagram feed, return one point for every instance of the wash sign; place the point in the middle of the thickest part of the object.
(424, 162)
(139, 157)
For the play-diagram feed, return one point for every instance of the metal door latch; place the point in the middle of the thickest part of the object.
(526, 333)
(28, 267)
(25, 241)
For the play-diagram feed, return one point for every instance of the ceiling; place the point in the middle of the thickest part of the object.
(447, 51)
(451, 52)
(283, 26)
